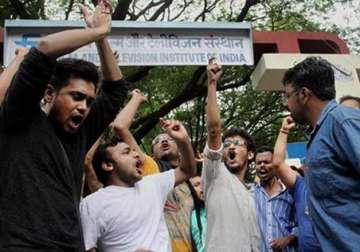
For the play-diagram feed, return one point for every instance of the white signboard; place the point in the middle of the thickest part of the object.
(148, 43)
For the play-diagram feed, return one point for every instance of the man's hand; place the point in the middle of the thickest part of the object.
(175, 129)
(281, 243)
(101, 19)
(214, 71)
(287, 124)
(138, 96)
(21, 51)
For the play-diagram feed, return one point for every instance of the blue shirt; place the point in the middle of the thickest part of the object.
(333, 178)
(307, 239)
(275, 216)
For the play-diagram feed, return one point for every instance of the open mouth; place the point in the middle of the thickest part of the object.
(262, 173)
(76, 120)
(138, 165)
(232, 155)
(165, 147)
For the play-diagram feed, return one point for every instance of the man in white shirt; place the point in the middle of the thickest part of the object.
(127, 215)
(230, 206)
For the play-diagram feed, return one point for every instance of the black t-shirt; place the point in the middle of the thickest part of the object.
(40, 168)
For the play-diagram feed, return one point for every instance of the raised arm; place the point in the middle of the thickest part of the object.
(213, 114)
(58, 44)
(109, 65)
(90, 176)
(27, 88)
(9, 72)
(282, 170)
(124, 119)
(113, 90)
(187, 167)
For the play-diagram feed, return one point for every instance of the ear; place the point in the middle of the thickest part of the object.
(107, 166)
(305, 94)
(251, 155)
(49, 94)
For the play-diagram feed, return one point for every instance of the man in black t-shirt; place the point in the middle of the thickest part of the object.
(42, 152)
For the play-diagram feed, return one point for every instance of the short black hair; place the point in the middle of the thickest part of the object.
(68, 68)
(315, 74)
(101, 155)
(250, 143)
(263, 149)
(350, 97)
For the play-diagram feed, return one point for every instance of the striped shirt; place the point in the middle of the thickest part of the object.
(275, 216)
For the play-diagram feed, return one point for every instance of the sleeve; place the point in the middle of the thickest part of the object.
(294, 230)
(90, 225)
(211, 164)
(110, 98)
(27, 89)
(165, 182)
(347, 135)
(150, 166)
(295, 188)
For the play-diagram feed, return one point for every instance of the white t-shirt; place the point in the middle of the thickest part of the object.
(126, 219)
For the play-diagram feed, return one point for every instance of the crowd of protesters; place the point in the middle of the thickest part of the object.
(65, 187)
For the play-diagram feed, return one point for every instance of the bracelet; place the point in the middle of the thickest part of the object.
(284, 131)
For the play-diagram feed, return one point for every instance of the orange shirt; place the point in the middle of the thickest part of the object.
(150, 166)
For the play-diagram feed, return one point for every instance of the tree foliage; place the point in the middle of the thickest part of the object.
(12, 9)
(179, 92)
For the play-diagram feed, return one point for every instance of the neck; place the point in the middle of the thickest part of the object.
(241, 173)
(273, 187)
(269, 184)
(174, 162)
(114, 180)
(315, 111)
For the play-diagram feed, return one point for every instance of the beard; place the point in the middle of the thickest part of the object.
(234, 169)
(299, 117)
(168, 155)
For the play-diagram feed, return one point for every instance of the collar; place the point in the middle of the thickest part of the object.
(262, 189)
(324, 113)
(330, 106)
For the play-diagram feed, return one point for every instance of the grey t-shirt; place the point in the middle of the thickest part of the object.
(230, 208)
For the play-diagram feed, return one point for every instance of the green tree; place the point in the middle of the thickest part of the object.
(12, 9)
(180, 91)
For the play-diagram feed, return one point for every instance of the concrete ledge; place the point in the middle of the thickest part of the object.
(269, 71)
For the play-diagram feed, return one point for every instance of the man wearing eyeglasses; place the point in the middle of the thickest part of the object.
(179, 203)
(333, 153)
(230, 206)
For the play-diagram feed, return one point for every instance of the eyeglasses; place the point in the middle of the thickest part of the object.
(228, 143)
(161, 138)
(286, 96)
